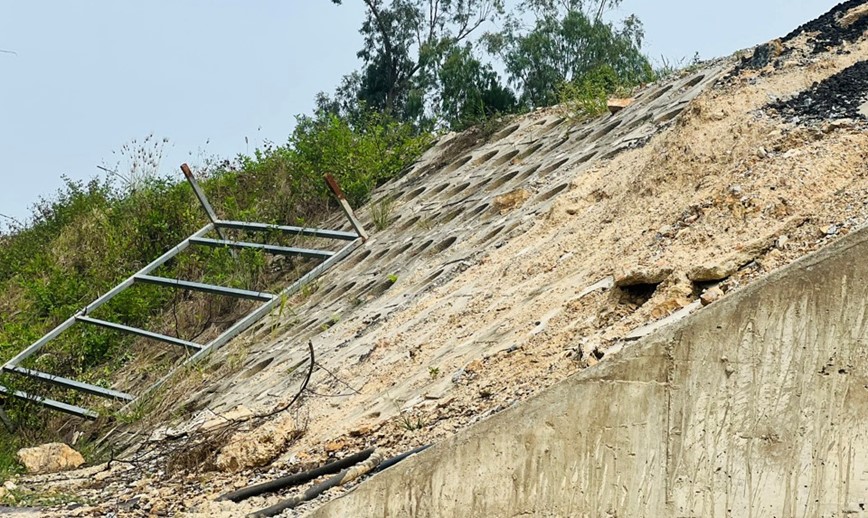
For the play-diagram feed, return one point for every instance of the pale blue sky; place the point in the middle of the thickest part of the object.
(89, 76)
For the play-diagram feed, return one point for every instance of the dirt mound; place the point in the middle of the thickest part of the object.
(842, 96)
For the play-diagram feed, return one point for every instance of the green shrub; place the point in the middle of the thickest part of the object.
(587, 97)
(90, 236)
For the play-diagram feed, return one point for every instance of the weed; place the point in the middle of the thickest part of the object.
(425, 224)
(22, 497)
(9, 444)
(393, 278)
(328, 324)
(434, 372)
(588, 96)
(309, 289)
(680, 67)
(381, 213)
(411, 423)
(89, 236)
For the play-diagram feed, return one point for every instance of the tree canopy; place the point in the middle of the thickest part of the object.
(430, 63)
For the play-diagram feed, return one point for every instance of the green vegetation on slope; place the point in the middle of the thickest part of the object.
(92, 235)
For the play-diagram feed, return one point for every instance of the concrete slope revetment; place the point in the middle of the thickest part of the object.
(754, 406)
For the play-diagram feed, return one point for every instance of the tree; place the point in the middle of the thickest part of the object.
(569, 40)
(470, 91)
(406, 45)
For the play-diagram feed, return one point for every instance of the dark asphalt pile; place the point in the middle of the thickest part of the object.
(829, 33)
(837, 97)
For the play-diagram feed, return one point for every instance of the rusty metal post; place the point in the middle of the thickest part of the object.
(345, 205)
(202, 198)
(205, 204)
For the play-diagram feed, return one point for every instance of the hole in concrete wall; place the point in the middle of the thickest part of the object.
(613, 153)
(605, 130)
(502, 180)
(355, 259)
(399, 251)
(381, 288)
(482, 183)
(457, 189)
(457, 163)
(557, 122)
(550, 194)
(506, 158)
(484, 158)
(380, 254)
(491, 235)
(529, 151)
(582, 134)
(433, 276)
(340, 292)
(440, 188)
(558, 144)
(256, 369)
(635, 295)
(658, 93)
(638, 121)
(443, 245)
(409, 223)
(450, 216)
(320, 295)
(545, 172)
(422, 247)
(585, 158)
(307, 325)
(355, 297)
(694, 81)
(505, 132)
(478, 210)
(671, 114)
(528, 172)
(412, 195)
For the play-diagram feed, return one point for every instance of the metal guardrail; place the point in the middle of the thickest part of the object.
(200, 351)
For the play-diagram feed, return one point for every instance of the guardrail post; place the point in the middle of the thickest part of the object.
(345, 205)
(209, 210)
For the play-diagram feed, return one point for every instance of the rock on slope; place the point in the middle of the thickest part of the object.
(539, 252)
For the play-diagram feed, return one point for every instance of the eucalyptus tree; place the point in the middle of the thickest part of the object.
(567, 41)
(406, 45)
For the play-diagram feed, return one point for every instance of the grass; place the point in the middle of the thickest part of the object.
(670, 68)
(21, 497)
(89, 236)
(381, 213)
(9, 445)
(411, 423)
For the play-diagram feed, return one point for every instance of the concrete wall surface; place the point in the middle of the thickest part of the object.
(756, 406)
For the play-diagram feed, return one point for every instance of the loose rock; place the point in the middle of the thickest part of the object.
(712, 272)
(711, 295)
(642, 275)
(49, 458)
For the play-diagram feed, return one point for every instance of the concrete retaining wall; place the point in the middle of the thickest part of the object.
(756, 406)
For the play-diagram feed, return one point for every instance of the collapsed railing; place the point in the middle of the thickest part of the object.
(200, 351)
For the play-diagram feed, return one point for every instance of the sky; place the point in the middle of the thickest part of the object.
(220, 77)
